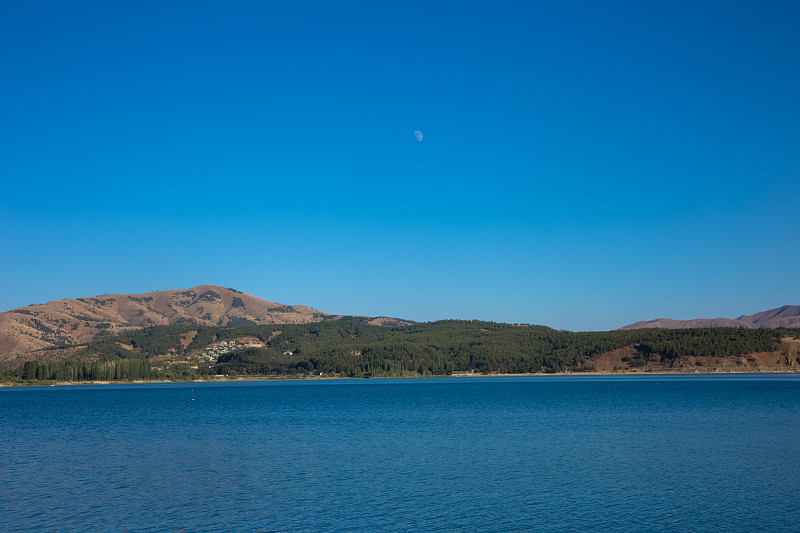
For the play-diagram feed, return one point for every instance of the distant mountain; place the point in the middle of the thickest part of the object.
(80, 320)
(787, 316)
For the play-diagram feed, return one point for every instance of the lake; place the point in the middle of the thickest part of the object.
(561, 453)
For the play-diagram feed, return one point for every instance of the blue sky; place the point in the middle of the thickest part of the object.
(584, 164)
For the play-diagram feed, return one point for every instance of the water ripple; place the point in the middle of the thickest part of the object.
(437, 455)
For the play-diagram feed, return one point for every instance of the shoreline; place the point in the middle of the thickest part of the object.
(325, 378)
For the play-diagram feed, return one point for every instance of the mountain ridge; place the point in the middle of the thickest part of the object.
(72, 322)
(786, 316)
(76, 321)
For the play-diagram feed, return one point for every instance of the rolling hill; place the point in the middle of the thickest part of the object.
(78, 321)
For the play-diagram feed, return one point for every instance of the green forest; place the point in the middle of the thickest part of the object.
(353, 349)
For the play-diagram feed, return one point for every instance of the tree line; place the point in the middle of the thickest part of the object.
(72, 370)
(354, 349)
(439, 348)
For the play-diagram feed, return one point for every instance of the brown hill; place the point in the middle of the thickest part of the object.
(787, 316)
(79, 320)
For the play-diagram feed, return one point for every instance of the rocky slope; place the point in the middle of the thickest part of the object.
(79, 320)
(787, 316)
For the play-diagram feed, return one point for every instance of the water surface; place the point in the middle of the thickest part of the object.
(574, 453)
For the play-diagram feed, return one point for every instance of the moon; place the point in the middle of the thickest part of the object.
(418, 135)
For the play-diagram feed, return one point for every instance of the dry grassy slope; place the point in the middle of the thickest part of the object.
(785, 359)
(79, 320)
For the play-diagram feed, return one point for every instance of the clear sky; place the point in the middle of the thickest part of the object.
(583, 165)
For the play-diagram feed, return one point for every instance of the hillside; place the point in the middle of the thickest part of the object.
(787, 316)
(78, 321)
(346, 348)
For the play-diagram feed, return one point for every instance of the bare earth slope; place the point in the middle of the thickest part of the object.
(79, 320)
(787, 316)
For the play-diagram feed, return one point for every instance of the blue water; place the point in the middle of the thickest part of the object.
(584, 453)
